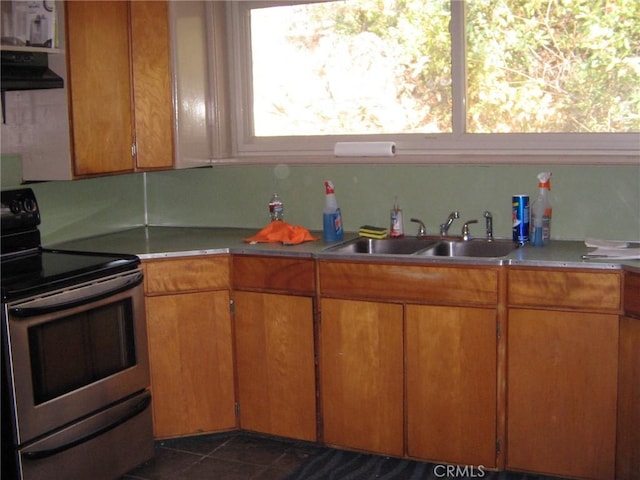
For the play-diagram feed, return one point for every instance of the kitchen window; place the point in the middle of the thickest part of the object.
(478, 79)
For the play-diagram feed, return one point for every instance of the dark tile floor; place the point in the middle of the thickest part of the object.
(226, 456)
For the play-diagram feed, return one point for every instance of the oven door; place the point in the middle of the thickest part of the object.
(76, 351)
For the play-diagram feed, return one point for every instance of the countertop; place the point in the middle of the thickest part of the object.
(163, 242)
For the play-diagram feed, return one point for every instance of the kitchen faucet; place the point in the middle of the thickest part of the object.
(444, 227)
(489, 224)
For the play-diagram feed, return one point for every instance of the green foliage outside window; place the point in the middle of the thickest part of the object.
(531, 65)
(553, 66)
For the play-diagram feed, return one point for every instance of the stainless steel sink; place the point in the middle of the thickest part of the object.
(427, 247)
(384, 246)
(476, 247)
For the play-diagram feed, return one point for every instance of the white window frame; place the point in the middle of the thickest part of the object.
(448, 148)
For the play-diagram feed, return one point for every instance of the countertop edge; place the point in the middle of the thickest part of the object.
(161, 242)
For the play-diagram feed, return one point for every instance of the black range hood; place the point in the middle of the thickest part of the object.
(27, 71)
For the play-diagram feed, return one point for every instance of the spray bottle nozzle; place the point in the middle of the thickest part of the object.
(544, 180)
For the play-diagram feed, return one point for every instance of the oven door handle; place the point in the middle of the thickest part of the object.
(137, 409)
(76, 298)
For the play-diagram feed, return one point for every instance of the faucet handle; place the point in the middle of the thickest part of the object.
(465, 230)
(422, 230)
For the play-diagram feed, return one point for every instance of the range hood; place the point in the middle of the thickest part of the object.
(27, 71)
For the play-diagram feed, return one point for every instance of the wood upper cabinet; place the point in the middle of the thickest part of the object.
(151, 73)
(120, 103)
(563, 372)
(275, 346)
(190, 345)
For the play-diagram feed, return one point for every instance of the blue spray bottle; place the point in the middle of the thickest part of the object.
(331, 217)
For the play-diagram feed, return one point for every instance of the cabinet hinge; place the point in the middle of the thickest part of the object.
(499, 330)
(237, 408)
(134, 149)
(498, 447)
(232, 307)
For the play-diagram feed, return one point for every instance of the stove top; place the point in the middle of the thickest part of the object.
(47, 270)
(27, 269)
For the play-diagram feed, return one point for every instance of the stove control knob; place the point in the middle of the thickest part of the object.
(16, 206)
(30, 205)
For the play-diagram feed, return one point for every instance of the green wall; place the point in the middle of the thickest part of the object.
(588, 201)
(81, 208)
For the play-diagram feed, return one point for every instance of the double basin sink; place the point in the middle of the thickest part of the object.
(428, 247)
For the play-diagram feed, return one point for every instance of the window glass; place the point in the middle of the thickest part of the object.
(438, 77)
(355, 67)
(541, 66)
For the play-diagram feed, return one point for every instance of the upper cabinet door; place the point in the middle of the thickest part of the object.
(99, 87)
(151, 67)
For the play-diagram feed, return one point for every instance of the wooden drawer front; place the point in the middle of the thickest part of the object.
(186, 274)
(590, 290)
(438, 285)
(292, 275)
(632, 293)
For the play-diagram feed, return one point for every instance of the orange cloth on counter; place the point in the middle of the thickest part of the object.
(279, 231)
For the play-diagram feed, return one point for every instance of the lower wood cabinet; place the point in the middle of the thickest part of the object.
(525, 369)
(628, 435)
(274, 316)
(562, 391)
(409, 360)
(361, 359)
(276, 364)
(451, 384)
(562, 379)
(190, 345)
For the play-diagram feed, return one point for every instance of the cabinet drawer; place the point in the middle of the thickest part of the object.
(584, 290)
(291, 275)
(186, 274)
(435, 285)
(632, 293)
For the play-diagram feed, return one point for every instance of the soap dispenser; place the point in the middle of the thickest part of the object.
(397, 227)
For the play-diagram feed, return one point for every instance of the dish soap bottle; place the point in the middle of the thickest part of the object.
(397, 227)
(331, 217)
(541, 213)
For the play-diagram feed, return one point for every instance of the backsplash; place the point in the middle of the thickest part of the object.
(588, 201)
(594, 201)
(81, 208)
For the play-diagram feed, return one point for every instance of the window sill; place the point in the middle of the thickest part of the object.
(492, 158)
